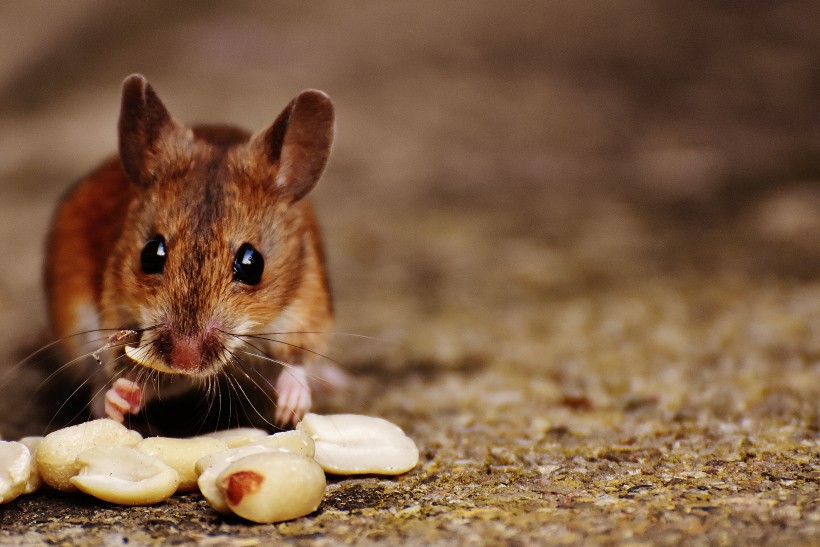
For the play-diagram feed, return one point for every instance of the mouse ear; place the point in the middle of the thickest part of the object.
(146, 130)
(297, 145)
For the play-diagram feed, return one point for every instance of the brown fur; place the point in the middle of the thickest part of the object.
(206, 191)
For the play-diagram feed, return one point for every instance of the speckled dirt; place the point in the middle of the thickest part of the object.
(584, 238)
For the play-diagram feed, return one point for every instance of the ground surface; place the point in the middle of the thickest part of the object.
(586, 238)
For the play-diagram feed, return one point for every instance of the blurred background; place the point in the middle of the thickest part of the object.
(497, 165)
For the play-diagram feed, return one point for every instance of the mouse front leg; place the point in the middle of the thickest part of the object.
(293, 397)
(122, 398)
(117, 400)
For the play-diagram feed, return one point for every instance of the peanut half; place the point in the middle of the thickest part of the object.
(34, 479)
(125, 475)
(182, 455)
(350, 444)
(294, 441)
(272, 486)
(238, 436)
(210, 467)
(15, 469)
(58, 451)
(144, 357)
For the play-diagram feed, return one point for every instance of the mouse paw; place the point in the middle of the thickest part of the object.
(292, 396)
(124, 397)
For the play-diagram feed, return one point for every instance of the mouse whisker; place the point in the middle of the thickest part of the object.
(329, 333)
(266, 337)
(234, 396)
(213, 389)
(65, 366)
(238, 389)
(244, 372)
(62, 368)
(264, 357)
(42, 354)
(213, 396)
(65, 402)
(320, 380)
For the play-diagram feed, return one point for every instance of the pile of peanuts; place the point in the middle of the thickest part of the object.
(260, 477)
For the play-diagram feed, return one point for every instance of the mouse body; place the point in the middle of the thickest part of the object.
(198, 250)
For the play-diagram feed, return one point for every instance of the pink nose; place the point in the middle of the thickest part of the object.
(186, 354)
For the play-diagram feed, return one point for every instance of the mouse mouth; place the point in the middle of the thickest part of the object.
(171, 352)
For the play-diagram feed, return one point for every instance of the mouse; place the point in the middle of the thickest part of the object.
(194, 255)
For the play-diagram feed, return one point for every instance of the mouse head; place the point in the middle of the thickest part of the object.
(218, 239)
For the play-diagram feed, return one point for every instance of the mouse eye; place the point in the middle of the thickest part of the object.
(248, 265)
(153, 255)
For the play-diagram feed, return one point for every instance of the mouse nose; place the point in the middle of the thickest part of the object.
(186, 354)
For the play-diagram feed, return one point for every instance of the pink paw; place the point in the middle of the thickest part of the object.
(124, 397)
(292, 396)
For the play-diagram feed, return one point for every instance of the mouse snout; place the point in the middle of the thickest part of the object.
(186, 354)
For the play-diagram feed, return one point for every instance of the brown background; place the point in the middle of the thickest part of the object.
(586, 237)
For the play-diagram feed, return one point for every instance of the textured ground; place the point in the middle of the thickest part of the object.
(585, 237)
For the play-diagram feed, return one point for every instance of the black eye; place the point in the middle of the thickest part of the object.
(248, 265)
(152, 257)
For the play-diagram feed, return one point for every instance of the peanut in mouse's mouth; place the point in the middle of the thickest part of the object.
(142, 355)
(173, 353)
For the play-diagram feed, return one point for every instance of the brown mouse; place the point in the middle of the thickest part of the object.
(198, 248)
